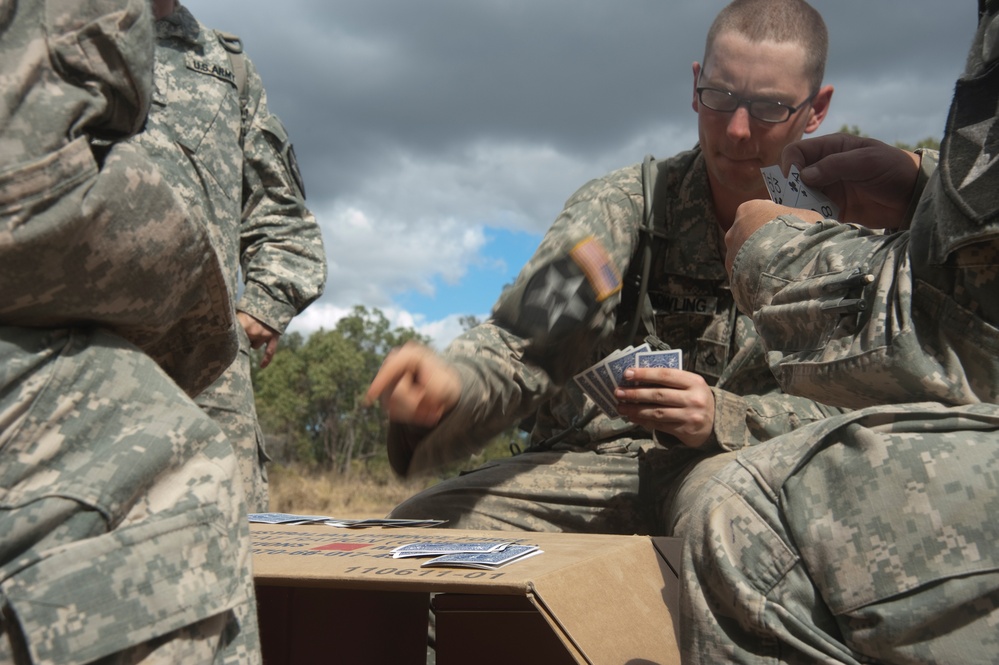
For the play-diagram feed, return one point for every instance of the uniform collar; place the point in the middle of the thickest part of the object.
(181, 24)
(693, 234)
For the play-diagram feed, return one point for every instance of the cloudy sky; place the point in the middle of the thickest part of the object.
(439, 138)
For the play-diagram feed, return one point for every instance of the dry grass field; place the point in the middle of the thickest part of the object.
(305, 492)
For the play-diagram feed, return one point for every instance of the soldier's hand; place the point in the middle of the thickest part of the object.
(260, 334)
(673, 401)
(415, 386)
(871, 182)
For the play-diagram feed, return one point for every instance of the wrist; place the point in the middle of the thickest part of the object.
(926, 165)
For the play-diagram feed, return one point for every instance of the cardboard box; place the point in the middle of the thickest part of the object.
(332, 595)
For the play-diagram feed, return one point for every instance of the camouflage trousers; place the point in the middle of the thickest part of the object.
(229, 402)
(868, 537)
(577, 492)
(124, 540)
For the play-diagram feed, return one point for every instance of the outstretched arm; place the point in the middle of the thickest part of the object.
(415, 386)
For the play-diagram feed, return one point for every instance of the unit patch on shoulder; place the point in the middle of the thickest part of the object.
(592, 259)
(211, 69)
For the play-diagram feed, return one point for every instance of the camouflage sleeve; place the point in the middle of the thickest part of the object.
(746, 420)
(750, 407)
(564, 299)
(281, 248)
(855, 319)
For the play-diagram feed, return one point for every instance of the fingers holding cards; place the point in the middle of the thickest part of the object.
(791, 191)
(600, 381)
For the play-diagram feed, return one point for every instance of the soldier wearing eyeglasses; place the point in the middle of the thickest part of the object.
(758, 89)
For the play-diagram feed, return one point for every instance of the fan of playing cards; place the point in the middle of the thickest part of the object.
(790, 191)
(600, 380)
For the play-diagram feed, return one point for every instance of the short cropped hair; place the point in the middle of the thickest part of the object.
(780, 21)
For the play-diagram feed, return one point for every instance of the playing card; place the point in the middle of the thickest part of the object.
(811, 199)
(792, 192)
(671, 359)
(600, 381)
(616, 366)
(437, 549)
(603, 379)
(776, 184)
(286, 518)
(585, 384)
(487, 560)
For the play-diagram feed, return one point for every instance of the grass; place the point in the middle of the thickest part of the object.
(308, 492)
(371, 490)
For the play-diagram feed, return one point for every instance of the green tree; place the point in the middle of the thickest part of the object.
(468, 321)
(310, 398)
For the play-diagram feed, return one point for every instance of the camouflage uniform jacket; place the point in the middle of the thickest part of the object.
(124, 535)
(522, 360)
(241, 160)
(141, 264)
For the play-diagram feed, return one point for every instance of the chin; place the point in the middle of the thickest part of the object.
(742, 176)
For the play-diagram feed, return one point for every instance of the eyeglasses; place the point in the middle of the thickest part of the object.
(763, 110)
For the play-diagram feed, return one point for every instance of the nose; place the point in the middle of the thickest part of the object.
(738, 124)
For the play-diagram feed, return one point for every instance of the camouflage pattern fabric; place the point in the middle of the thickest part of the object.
(517, 364)
(141, 264)
(125, 534)
(869, 537)
(238, 161)
(229, 402)
(125, 537)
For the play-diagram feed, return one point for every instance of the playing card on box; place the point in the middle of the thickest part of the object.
(487, 560)
(286, 518)
(435, 549)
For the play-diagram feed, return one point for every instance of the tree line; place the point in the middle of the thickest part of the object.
(310, 399)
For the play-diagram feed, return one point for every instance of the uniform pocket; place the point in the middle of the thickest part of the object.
(102, 595)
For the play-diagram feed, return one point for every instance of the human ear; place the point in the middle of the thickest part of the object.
(819, 108)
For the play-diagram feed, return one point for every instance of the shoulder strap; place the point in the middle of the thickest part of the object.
(641, 262)
(233, 46)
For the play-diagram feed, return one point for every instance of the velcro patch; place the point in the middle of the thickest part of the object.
(592, 259)
(685, 304)
(211, 69)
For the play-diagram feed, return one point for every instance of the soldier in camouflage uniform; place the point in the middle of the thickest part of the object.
(124, 536)
(586, 472)
(215, 138)
(872, 536)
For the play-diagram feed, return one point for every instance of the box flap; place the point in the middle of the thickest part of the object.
(670, 549)
(612, 609)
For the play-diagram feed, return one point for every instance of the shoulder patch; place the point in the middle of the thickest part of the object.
(592, 259)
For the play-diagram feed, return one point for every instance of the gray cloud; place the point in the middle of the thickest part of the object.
(420, 122)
